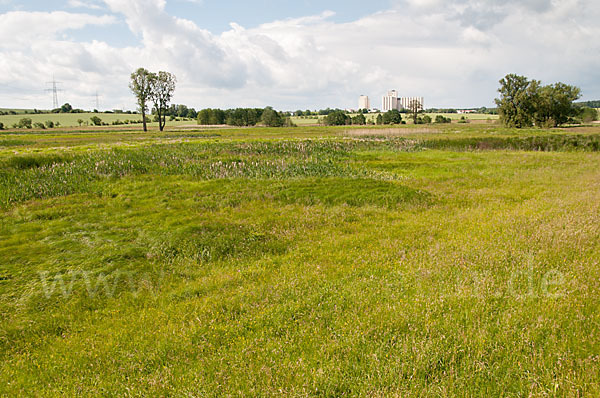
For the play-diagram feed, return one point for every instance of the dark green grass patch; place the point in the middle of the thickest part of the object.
(353, 192)
(13, 143)
(35, 161)
(309, 191)
(42, 176)
(545, 143)
(215, 241)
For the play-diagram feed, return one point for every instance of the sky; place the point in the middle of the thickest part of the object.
(301, 54)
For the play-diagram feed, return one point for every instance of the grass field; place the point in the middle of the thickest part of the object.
(454, 260)
(308, 120)
(71, 119)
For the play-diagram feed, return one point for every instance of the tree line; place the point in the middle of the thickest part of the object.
(243, 117)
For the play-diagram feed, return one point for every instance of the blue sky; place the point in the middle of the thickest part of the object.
(294, 54)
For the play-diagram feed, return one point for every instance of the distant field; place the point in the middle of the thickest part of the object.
(71, 119)
(308, 120)
(456, 260)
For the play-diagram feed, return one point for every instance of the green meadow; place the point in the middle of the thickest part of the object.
(72, 119)
(452, 260)
(455, 117)
(67, 120)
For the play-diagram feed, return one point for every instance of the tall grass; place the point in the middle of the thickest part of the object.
(544, 143)
(366, 266)
(26, 177)
(42, 176)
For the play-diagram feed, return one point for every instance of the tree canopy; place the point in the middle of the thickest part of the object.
(140, 85)
(156, 87)
(392, 117)
(525, 102)
(162, 87)
(337, 118)
(272, 118)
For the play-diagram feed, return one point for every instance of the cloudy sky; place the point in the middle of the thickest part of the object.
(294, 54)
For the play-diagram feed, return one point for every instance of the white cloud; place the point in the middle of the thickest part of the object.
(84, 4)
(20, 27)
(451, 52)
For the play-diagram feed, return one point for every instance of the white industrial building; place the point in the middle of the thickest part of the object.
(364, 103)
(392, 101)
(405, 102)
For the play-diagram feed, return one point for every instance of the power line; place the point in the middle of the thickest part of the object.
(54, 91)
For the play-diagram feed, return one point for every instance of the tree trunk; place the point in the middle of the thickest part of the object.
(144, 119)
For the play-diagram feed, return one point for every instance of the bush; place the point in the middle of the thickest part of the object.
(588, 115)
(426, 119)
(96, 120)
(1, 126)
(392, 117)
(49, 124)
(271, 118)
(288, 122)
(337, 118)
(359, 120)
(39, 125)
(441, 119)
(24, 123)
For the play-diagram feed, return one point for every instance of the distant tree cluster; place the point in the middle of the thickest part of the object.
(337, 118)
(240, 117)
(482, 110)
(272, 118)
(67, 108)
(524, 102)
(27, 123)
(181, 111)
(390, 117)
(157, 88)
(588, 104)
(322, 112)
(244, 117)
(587, 114)
(341, 118)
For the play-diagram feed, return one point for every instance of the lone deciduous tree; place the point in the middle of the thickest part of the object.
(141, 86)
(516, 104)
(414, 108)
(162, 87)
